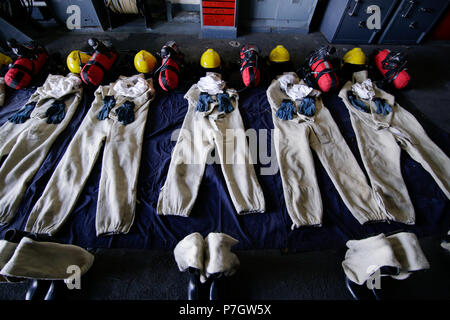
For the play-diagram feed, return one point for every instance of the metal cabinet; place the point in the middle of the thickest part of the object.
(413, 20)
(277, 15)
(345, 21)
(219, 18)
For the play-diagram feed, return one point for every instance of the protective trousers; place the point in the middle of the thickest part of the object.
(293, 139)
(26, 138)
(380, 140)
(200, 134)
(104, 123)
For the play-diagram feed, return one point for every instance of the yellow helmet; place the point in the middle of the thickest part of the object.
(210, 59)
(76, 60)
(144, 62)
(4, 60)
(354, 56)
(279, 54)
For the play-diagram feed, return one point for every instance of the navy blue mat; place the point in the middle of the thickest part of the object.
(213, 210)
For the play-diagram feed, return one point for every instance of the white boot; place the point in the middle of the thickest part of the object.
(189, 252)
(218, 257)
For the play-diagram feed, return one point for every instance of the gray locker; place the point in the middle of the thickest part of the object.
(277, 15)
(345, 21)
(413, 20)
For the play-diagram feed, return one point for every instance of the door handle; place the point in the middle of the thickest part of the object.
(413, 25)
(427, 10)
(352, 12)
(408, 11)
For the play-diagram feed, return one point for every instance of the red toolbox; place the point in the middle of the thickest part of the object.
(219, 13)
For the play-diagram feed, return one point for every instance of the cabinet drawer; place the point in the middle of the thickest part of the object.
(218, 11)
(218, 4)
(218, 20)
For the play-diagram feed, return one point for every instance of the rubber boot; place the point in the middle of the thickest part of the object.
(194, 284)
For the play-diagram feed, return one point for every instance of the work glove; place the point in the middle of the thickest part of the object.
(224, 103)
(22, 115)
(204, 100)
(358, 104)
(56, 112)
(125, 112)
(382, 106)
(286, 110)
(307, 107)
(108, 103)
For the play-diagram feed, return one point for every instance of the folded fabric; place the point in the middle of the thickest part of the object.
(2, 91)
(7, 249)
(358, 104)
(212, 83)
(45, 260)
(408, 252)
(125, 113)
(58, 86)
(291, 85)
(364, 90)
(382, 106)
(219, 258)
(189, 252)
(401, 253)
(56, 112)
(224, 103)
(307, 107)
(364, 257)
(204, 99)
(131, 87)
(22, 115)
(109, 102)
(286, 110)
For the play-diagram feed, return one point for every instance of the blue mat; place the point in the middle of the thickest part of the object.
(213, 210)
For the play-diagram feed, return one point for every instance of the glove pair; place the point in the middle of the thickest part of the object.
(125, 113)
(382, 106)
(211, 256)
(22, 115)
(223, 99)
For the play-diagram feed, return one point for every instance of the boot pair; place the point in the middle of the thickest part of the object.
(47, 263)
(208, 261)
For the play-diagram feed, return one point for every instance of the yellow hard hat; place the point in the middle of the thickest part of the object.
(76, 60)
(4, 60)
(354, 56)
(210, 59)
(144, 62)
(279, 54)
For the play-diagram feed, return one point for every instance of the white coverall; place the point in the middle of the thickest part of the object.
(26, 144)
(293, 139)
(380, 140)
(121, 158)
(200, 134)
(2, 91)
